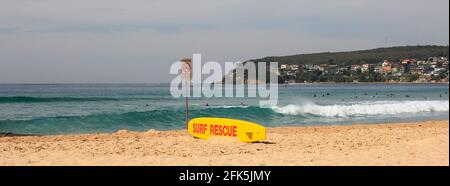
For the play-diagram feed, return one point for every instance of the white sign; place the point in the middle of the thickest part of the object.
(186, 69)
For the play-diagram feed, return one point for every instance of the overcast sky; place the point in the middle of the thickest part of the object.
(135, 41)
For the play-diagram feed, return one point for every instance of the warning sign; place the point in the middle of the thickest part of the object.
(186, 69)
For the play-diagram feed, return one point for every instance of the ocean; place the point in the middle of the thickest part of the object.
(92, 108)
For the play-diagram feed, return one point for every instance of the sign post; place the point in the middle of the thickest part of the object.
(186, 75)
(187, 110)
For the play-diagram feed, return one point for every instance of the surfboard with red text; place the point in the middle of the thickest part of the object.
(205, 128)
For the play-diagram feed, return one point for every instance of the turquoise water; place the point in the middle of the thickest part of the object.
(90, 108)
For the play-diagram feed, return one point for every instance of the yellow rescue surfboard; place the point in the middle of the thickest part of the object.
(205, 128)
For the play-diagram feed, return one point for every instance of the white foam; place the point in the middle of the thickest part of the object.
(368, 108)
(226, 106)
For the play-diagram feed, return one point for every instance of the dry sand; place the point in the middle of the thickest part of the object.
(419, 143)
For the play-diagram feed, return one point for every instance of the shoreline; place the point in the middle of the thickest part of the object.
(12, 134)
(412, 143)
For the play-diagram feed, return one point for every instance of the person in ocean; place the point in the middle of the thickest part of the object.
(207, 104)
(243, 104)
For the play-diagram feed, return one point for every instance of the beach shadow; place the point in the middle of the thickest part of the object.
(265, 142)
(9, 134)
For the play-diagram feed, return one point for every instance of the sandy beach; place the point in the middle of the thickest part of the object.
(418, 143)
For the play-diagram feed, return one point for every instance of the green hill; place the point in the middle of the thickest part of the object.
(361, 56)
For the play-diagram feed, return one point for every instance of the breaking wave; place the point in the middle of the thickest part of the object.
(174, 118)
(362, 109)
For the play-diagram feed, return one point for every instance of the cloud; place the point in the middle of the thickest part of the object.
(136, 41)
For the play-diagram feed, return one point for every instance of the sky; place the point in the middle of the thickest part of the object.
(136, 41)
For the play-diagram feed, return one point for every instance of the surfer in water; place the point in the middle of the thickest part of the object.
(207, 104)
(243, 104)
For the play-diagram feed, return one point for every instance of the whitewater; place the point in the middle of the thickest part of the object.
(365, 108)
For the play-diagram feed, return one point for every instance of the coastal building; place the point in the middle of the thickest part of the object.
(406, 64)
(439, 71)
(323, 67)
(365, 68)
(378, 69)
(397, 68)
(355, 67)
(294, 67)
(342, 70)
(332, 69)
(290, 73)
(434, 68)
(387, 66)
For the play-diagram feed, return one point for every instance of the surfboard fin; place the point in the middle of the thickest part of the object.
(250, 135)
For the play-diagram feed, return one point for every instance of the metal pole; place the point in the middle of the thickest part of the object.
(187, 106)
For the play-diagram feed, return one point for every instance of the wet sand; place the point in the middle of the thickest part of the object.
(417, 143)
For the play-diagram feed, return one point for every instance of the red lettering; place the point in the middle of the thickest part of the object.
(226, 130)
(199, 128)
(223, 130)
(216, 128)
(220, 130)
(234, 129)
(211, 129)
